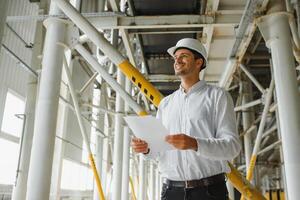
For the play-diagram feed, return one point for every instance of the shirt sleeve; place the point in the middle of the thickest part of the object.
(226, 144)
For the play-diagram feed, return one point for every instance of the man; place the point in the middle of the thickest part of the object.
(201, 122)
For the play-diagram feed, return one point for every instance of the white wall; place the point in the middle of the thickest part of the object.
(11, 74)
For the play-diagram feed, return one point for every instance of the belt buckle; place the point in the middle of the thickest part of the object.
(186, 183)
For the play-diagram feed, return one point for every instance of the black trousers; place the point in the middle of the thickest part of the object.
(217, 191)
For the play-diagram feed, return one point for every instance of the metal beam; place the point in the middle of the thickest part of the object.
(169, 21)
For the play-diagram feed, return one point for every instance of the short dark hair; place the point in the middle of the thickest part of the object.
(196, 55)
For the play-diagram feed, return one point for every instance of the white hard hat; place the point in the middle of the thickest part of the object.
(192, 44)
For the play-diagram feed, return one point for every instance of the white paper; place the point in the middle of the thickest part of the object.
(151, 130)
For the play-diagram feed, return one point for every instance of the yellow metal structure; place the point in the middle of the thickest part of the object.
(139, 80)
(275, 195)
(251, 167)
(243, 185)
(97, 179)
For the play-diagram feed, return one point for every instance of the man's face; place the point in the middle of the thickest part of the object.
(185, 63)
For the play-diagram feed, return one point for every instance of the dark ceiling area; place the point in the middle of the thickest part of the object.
(155, 44)
(166, 7)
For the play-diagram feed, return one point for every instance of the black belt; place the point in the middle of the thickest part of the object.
(196, 183)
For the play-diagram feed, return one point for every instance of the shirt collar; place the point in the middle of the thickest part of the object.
(197, 86)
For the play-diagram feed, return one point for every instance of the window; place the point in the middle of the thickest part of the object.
(12, 122)
(76, 176)
(8, 163)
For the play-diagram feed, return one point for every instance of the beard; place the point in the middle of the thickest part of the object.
(182, 70)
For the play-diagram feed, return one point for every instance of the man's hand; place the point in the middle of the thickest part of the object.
(139, 146)
(182, 141)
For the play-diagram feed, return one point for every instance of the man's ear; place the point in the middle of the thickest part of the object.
(199, 63)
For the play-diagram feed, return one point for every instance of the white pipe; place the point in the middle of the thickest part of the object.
(99, 94)
(248, 119)
(248, 105)
(125, 165)
(76, 106)
(269, 131)
(276, 32)
(126, 151)
(107, 77)
(152, 181)
(106, 156)
(90, 31)
(39, 177)
(118, 132)
(249, 130)
(263, 118)
(142, 179)
(82, 127)
(157, 186)
(293, 25)
(273, 107)
(253, 79)
(270, 147)
(86, 85)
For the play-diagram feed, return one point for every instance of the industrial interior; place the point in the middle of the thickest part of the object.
(70, 70)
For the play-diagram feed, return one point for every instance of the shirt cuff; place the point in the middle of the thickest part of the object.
(201, 146)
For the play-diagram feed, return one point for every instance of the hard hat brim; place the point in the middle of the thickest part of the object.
(172, 50)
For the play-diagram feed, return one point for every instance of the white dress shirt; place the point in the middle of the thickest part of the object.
(206, 113)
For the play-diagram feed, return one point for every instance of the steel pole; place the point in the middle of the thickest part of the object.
(82, 129)
(151, 184)
(39, 177)
(118, 131)
(253, 79)
(126, 151)
(142, 178)
(276, 32)
(157, 183)
(99, 140)
(260, 130)
(248, 119)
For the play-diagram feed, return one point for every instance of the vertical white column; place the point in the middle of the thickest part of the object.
(59, 148)
(276, 32)
(248, 119)
(106, 164)
(283, 178)
(102, 103)
(157, 184)
(39, 177)
(142, 178)
(152, 176)
(126, 152)
(19, 190)
(118, 135)
(99, 140)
